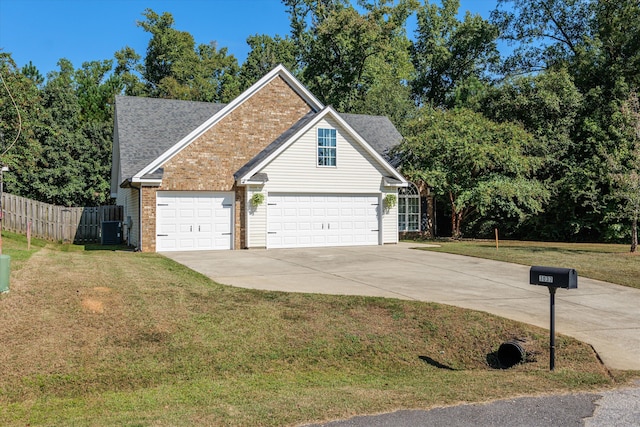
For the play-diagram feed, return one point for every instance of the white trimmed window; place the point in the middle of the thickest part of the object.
(409, 208)
(326, 147)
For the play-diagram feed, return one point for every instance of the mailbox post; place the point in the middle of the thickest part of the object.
(553, 278)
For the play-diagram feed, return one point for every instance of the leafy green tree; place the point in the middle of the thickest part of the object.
(217, 75)
(31, 71)
(549, 106)
(96, 88)
(482, 168)
(19, 148)
(265, 54)
(129, 70)
(63, 156)
(169, 51)
(447, 52)
(545, 32)
(336, 44)
(596, 41)
(625, 167)
(386, 78)
(58, 179)
(175, 68)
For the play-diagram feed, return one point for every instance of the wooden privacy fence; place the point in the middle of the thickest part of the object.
(57, 223)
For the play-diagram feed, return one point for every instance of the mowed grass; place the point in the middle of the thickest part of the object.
(116, 338)
(611, 263)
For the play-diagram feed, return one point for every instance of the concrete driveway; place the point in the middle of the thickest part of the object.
(605, 315)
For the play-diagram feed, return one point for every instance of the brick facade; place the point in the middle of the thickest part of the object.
(209, 162)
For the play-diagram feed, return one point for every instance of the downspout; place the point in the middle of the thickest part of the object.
(247, 221)
(139, 248)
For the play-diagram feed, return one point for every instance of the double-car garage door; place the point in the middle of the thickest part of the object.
(295, 220)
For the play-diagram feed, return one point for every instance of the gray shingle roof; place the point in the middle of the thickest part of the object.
(378, 131)
(147, 127)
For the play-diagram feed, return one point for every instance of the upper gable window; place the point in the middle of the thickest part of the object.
(326, 147)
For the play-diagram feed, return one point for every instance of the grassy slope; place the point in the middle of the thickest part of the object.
(611, 263)
(121, 338)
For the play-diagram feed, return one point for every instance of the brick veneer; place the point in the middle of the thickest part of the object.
(209, 162)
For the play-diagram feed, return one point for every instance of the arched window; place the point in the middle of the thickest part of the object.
(409, 208)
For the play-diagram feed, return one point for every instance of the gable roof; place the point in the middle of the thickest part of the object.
(377, 129)
(150, 131)
(279, 72)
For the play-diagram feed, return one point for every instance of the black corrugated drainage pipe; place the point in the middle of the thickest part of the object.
(511, 353)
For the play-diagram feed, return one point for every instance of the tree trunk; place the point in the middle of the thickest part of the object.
(455, 225)
(634, 234)
(455, 219)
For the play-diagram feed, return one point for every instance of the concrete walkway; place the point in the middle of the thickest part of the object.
(604, 315)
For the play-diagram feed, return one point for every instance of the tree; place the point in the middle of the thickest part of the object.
(19, 148)
(447, 52)
(265, 54)
(129, 70)
(550, 107)
(386, 77)
(174, 68)
(336, 44)
(96, 89)
(31, 71)
(545, 32)
(483, 169)
(625, 167)
(598, 43)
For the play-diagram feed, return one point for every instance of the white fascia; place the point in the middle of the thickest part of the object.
(388, 183)
(279, 71)
(156, 182)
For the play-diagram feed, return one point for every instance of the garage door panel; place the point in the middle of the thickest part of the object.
(205, 227)
(194, 221)
(322, 220)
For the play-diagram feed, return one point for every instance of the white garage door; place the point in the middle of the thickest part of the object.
(296, 221)
(193, 221)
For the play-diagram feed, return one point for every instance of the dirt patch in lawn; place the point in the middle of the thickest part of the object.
(93, 305)
(96, 303)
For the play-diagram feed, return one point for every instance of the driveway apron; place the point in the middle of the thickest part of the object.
(605, 315)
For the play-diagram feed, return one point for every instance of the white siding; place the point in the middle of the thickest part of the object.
(256, 219)
(389, 219)
(129, 199)
(296, 169)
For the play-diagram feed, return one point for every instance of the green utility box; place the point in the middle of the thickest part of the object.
(5, 271)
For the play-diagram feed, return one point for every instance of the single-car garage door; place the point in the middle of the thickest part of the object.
(296, 221)
(193, 221)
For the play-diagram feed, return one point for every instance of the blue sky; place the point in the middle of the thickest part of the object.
(43, 31)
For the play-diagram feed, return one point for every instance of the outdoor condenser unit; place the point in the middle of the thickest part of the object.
(111, 232)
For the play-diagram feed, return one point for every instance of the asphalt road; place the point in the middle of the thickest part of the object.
(615, 408)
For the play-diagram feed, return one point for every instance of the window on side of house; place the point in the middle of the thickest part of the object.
(409, 208)
(326, 147)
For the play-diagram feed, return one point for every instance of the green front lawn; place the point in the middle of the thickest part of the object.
(611, 263)
(106, 337)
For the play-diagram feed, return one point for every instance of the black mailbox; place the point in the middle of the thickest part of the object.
(553, 276)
